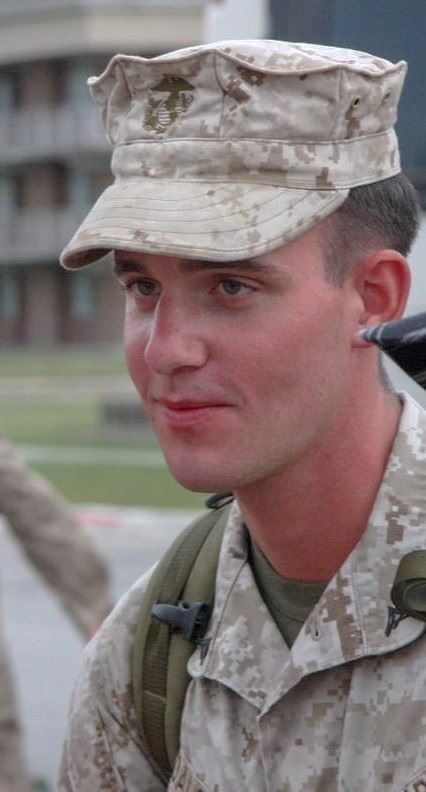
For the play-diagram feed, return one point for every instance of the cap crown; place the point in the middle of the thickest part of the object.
(249, 89)
(230, 149)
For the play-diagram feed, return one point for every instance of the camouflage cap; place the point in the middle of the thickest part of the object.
(227, 150)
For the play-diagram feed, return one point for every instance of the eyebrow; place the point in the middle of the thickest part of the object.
(126, 265)
(195, 265)
(254, 265)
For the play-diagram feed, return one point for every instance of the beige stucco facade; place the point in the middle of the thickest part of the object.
(74, 28)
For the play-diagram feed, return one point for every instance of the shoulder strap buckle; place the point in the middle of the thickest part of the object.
(219, 500)
(190, 620)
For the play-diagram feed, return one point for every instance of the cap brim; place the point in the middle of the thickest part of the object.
(197, 219)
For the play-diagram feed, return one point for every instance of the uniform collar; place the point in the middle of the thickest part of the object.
(247, 652)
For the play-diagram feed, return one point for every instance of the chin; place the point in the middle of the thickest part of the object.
(199, 484)
(199, 481)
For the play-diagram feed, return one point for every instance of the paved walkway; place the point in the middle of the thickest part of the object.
(44, 646)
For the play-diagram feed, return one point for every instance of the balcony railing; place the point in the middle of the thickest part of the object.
(36, 235)
(38, 133)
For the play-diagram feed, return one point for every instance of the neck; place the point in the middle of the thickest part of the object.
(307, 519)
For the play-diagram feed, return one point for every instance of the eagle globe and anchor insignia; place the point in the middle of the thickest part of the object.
(167, 101)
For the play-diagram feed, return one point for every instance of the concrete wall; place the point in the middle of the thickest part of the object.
(235, 19)
(115, 29)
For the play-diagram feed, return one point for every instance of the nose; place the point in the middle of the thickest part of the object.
(175, 339)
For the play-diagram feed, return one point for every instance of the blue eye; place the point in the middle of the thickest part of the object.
(144, 287)
(233, 287)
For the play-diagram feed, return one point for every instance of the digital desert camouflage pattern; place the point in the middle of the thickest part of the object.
(61, 552)
(227, 150)
(342, 711)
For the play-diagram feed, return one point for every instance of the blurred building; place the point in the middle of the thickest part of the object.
(54, 159)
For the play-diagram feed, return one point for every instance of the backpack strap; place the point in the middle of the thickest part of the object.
(186, 573)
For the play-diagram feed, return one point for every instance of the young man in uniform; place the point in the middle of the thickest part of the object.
(259, 223)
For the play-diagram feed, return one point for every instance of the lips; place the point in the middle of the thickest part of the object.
(188, 404)
(186, 413)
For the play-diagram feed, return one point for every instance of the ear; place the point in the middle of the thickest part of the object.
(382, 281)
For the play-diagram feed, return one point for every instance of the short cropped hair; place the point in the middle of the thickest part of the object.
(382, 214)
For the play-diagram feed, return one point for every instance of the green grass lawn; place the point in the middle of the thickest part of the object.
(75, 419)
(78, 425)
(63, 362)
(125, 486)
(45, 422)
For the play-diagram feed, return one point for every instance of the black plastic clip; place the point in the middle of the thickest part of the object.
(219, 499)
(395, 616)
(190, 620)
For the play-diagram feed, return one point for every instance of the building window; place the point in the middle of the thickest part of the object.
(83, 296)
(99, 181)
(43, 186)
(9, 296)
(41, 84)
(6, 91)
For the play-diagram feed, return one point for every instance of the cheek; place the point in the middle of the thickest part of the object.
(296, 351)
(134, 351)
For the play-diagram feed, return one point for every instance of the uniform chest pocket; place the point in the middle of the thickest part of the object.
(184, 779)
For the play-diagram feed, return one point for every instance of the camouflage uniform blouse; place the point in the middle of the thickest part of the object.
(343, 711)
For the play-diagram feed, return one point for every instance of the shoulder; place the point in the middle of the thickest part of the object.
(108, 658)
(109, 654)
(104, 683)
(102, 748)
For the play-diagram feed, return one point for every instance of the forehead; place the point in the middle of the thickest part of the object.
(127, 261)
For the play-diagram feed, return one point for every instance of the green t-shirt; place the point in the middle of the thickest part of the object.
(288, 601)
